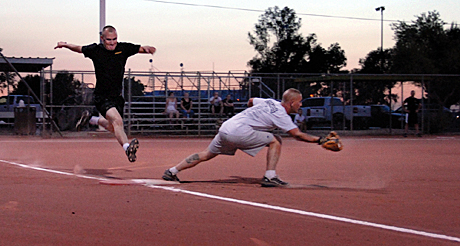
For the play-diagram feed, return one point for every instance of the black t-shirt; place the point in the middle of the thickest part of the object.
(109, 66)
(227, 101)
(412, 104)
(187, 105)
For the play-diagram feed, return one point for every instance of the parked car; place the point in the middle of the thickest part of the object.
(456, 123)
(380, 117)
(8, 103)
(435, 117)
(323, 110)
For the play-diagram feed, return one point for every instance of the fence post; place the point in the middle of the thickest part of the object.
(249, 87)
(50, 96)
(278, 86)
(402, 104)
(129, 102)
(199, 104)
(390, 113)
(332, 105)
(351, 104)
(424, 110)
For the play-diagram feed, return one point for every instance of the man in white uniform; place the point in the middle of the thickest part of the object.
(250, 131)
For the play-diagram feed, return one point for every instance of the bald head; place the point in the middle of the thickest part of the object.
(292, 100)
(290, 94)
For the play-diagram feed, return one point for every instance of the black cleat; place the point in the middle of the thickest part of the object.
(273, 182)
(132, 149)
(84, 119)
(168, 176)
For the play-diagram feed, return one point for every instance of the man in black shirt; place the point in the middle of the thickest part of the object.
(229, 107)
(411, 106)
(109, 59)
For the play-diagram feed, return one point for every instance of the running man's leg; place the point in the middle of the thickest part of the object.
(114, 123)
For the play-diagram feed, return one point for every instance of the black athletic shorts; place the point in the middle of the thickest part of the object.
(412, 119)
(103, 104)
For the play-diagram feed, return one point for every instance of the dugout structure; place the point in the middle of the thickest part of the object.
(19, 65)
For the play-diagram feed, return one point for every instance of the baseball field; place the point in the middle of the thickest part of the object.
(376, 191)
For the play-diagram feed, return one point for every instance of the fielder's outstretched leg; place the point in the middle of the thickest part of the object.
(189, 162)
(273, 154)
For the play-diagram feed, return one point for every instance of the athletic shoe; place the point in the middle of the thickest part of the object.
(405, 135)
(168, 176)
(132, 149)
(84, 119)
(273, 182)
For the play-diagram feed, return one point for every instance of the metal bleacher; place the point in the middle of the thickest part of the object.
(145, 115)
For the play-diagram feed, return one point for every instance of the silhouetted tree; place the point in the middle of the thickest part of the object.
(137, 88)
(375, 91)
(425, 47)
(5, 79)
(33, 81)
(66, 89)
(321, 60)
(282, 49)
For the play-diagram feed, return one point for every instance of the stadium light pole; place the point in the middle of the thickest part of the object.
(101, 17)
(381, 9)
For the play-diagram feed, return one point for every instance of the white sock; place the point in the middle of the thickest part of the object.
(125, 146)
(94, 120)
(174, 170)
(270, 174)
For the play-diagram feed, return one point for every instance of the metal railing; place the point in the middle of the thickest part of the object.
(144, 115)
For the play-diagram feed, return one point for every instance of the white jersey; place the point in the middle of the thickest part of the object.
(265, 115)
(298, 117)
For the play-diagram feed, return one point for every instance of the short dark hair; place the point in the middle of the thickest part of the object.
(290, 93)
(108, 29)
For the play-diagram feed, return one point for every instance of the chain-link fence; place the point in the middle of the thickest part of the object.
(366, 103)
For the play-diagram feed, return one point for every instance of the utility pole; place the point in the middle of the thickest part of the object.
(101, 17)
(381, 9)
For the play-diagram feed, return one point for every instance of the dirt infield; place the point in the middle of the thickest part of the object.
(377, 191)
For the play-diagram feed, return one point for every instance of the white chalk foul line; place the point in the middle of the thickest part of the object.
(311, 214)
(260, 205)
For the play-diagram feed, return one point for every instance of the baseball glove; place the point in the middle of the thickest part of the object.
(331, 142)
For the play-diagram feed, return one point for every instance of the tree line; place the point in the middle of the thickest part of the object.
(423, 46)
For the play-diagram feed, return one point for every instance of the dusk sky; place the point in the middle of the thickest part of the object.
(202, 38)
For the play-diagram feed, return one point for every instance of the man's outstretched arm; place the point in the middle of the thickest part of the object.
(72, 47)
(147, 49)
(301, 136)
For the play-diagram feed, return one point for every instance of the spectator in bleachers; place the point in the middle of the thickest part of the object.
(186, 104)
(299, 120)
(171, 106)
(216, 104)
(229, 108)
